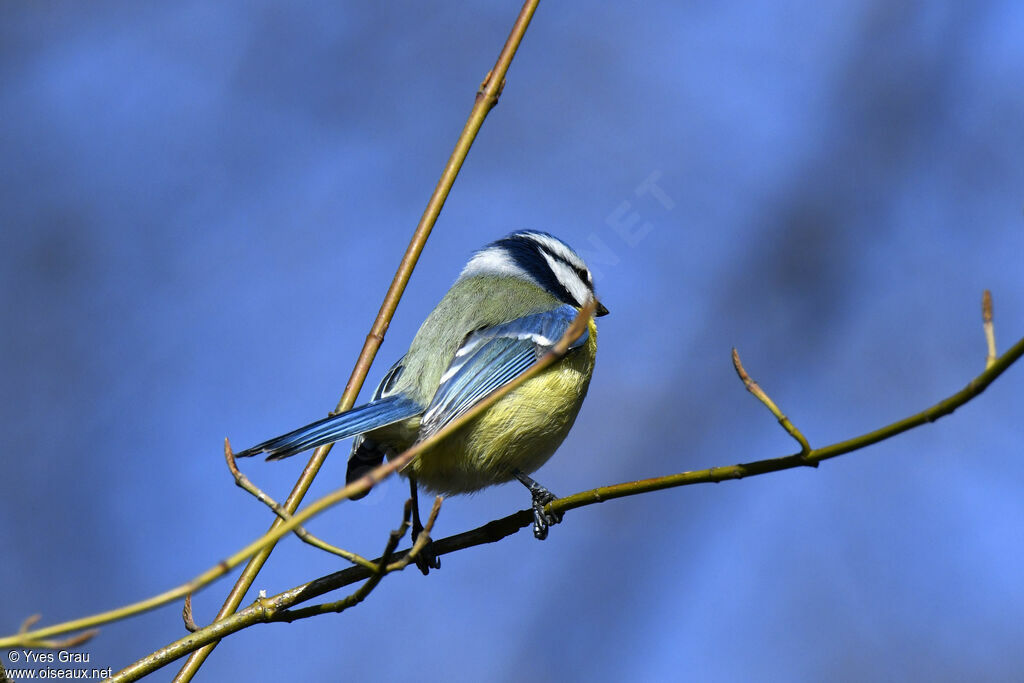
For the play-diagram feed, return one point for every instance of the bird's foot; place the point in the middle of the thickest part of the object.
(542, 519)
(425, 558)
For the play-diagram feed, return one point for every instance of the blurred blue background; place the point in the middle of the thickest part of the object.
(202, 206)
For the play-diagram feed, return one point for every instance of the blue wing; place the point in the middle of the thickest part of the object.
(384, 408)
(491, 357)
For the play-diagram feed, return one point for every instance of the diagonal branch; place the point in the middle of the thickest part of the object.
(486, 98)
(361, 485)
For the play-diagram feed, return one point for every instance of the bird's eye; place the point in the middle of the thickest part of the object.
(584, 275)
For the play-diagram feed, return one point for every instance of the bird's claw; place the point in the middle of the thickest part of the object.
(427, 560)
(542, 519)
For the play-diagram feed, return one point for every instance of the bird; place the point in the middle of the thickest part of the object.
(512, 302)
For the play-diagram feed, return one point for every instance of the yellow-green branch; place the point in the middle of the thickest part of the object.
(812, 457)
(500, 528)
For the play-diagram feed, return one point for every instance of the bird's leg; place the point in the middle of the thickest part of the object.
(541, 497)
(426, 560)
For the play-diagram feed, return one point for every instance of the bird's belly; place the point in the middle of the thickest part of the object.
(519, 432)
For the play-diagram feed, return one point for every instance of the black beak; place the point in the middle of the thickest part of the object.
(600, 310)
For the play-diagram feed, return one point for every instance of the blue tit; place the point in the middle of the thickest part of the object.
(511, 304)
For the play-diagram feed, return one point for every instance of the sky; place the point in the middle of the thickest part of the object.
(202, 207)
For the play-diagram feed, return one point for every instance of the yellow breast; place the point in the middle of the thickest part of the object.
(519, 432)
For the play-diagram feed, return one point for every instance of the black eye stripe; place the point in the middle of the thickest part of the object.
(581, 273)
(532, 256)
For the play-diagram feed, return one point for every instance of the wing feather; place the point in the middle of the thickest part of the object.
(492, 357)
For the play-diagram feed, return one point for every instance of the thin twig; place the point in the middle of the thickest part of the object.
(34, 640)
(486, 98)
(68, 643)
(29, 621)
(990, 331)
(422, 540)
(385, 561)
(246, 484)
(754, 388)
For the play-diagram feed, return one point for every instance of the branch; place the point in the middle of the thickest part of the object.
(244, 483)
(384, 564)
(360, 486)
(500, 528)
(31, 640)
(811, 458)
(486, 98)
(271, 609)
(274, 609)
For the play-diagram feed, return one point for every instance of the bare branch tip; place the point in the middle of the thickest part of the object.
(29, 622)
(73, 641)
(229, 456)
(186, 615)
(990, 331)
(434, 511)
(738, 365)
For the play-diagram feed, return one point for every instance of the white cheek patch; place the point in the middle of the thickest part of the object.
(561, 261)
(568, 277)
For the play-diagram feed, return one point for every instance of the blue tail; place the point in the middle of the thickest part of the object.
(337, 427)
